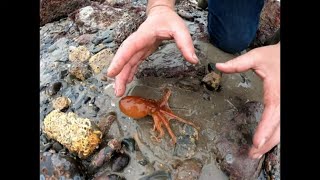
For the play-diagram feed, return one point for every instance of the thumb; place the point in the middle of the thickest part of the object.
(185, 45)
(239, 64)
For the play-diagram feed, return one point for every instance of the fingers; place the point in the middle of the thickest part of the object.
(239, 64)
(269, 122)
(127, 50)
(184, 43)
(133, 71)
(266, 135)
(272, 142)
(121, 80)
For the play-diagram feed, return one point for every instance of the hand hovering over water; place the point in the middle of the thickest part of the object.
(162, 23)
(265, 61)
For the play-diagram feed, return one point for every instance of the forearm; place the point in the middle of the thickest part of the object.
(157, 3)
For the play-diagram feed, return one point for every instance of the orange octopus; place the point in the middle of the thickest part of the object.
(138, 107)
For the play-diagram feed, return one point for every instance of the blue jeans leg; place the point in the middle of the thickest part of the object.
(232, 24)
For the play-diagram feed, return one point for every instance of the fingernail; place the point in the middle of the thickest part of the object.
(262, 142)
(195, 58)
(220, 64)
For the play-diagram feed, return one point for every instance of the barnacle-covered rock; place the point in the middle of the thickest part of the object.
(213, 78)
(77, 134)
(61, 103)
(80, 54)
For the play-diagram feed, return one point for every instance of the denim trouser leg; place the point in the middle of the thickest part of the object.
(232, 24)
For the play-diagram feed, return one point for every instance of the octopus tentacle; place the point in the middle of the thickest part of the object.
(165, 98)
(166, 123)
(170, 114)
(157, 126)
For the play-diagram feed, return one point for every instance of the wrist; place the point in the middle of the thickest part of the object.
(160, 7)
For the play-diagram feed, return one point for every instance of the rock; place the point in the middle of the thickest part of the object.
(73, 132)
(80, 71)
(91, 19)
(185, 146)
(100, 60)
(167, 62)
(63, 74)
(52, 10)
(189, 170)
(101, 35)
(233, 144)
(79, 54)
(84, 39)
(119, 162)
(107, 176)
(269, 22)
(43, 139)
(157, 175)
(106, 122)
(86, 19)
(61, 103)
(272, 164)
(99, 48)
(128, 24)
(117, 2)
(57, 146)
(57, 166)
(54, 88)
(186, 15)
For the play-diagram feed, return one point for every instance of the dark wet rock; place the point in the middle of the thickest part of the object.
(80, 71)
(129, 144)
(57, 146)
(185, 15)
(203, 4)
(186, 143)
(158, 175)
(108, 40)
(119, 162)
(52, 10)
(57, 166)
(189, 170)
(185, 146)
(99, 48)
(269, 22)
(101, 36)
(272, 164)
(63, 73)
(167, 62)
(54, 88)
(233, 146)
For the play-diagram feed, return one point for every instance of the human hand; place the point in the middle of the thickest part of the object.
(162, 24)
(265, 61)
